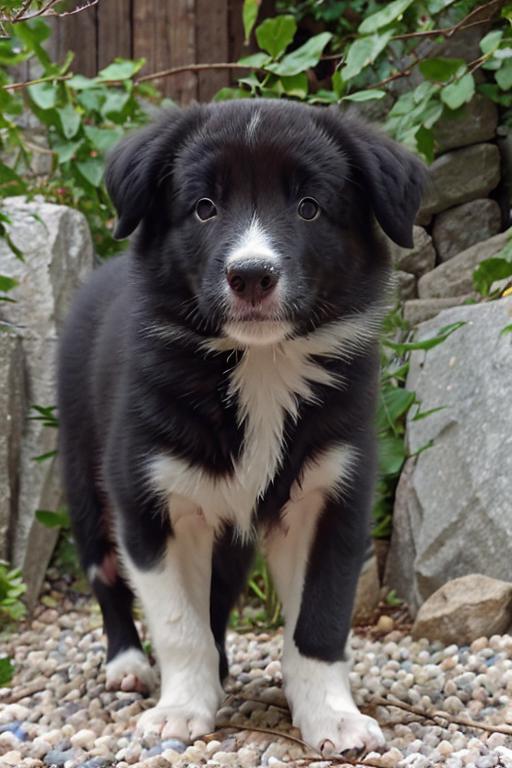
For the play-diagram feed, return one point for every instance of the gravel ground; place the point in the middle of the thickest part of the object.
(58, 713)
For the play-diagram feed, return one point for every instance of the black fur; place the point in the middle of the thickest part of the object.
(126, 392)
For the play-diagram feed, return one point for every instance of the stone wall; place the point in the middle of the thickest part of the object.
(58, 253)
(462, 208)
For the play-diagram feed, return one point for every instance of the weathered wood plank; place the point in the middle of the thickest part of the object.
(164, 34)
(114, 21)
(212, 45)
(78, 33)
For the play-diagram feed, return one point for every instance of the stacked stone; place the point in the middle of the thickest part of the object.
(457, 216)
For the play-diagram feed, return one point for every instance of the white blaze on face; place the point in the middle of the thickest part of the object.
(254, 244)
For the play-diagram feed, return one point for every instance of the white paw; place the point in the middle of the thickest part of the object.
(322, 706)
(130, 671)
(335, 732)
(173, 722)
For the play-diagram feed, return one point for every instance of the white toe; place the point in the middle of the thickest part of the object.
(130, 671)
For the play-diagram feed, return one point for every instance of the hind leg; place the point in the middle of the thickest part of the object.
(231, 562)
(128, 668)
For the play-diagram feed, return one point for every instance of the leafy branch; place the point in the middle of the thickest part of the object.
(47, 9)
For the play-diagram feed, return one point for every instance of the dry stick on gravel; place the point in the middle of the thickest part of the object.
(439, 714)
(333, 759)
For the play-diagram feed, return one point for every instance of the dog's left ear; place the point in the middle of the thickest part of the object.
(394, 177)
(138, 163)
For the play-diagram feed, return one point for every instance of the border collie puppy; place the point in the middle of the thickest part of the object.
(217, 386)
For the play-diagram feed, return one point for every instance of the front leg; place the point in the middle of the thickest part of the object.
(174, 589)
(315, 556)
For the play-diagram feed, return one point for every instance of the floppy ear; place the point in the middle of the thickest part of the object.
(394, 177)
(138, 163)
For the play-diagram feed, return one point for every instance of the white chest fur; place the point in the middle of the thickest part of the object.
(268, 383)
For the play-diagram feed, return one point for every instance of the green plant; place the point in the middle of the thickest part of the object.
(12, 589)
(395, 403)
(79, 118)
(376, 45)
(492, 270)
(260, 606)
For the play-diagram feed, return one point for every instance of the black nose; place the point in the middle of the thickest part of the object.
(252, 280)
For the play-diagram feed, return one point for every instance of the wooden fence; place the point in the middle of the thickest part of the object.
(167, 33)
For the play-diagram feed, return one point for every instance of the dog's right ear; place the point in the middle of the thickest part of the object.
(137, 164)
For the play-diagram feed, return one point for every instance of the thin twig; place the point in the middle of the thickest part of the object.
(439, 714)
(194, 68)
(45, 10)
(269, 731)
(49, 79)
(336, 759)
(448, 32)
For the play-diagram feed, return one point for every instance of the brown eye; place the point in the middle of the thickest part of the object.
(308, 209)
(205, 209)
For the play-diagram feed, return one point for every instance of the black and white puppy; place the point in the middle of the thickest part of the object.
(217, 385)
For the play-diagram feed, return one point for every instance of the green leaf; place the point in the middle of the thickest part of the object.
(7, 283)
(490, 42)
(92, 170)
(391, 455)
(80, 83)
(394, 402)
(297, 85)
(44, 457)
(362, 53)
(114, 104)
(423, 414)
(275, 35)
(6, 671)
(70, 120)
(305, 57)
(440, 70)
(226, 94)
(490, 270)
(369, 95)
(102, 139)
(53, 519)
(250, 12)
(504, 76)
(323, 97)
(458, 93)
(44, 95)
(506, 329)
(433, 341)
(255, 60)
(66, 150)
(425, 143)
(382, 18)
(120, 69)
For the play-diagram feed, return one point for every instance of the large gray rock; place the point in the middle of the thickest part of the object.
(58, 254)
(473, 123)
(460, 227)
(12, 417)
(454, 510)
(455, 277)
(459, 176)
(419, 259)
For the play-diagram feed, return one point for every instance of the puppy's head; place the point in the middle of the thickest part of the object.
(257, 217)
